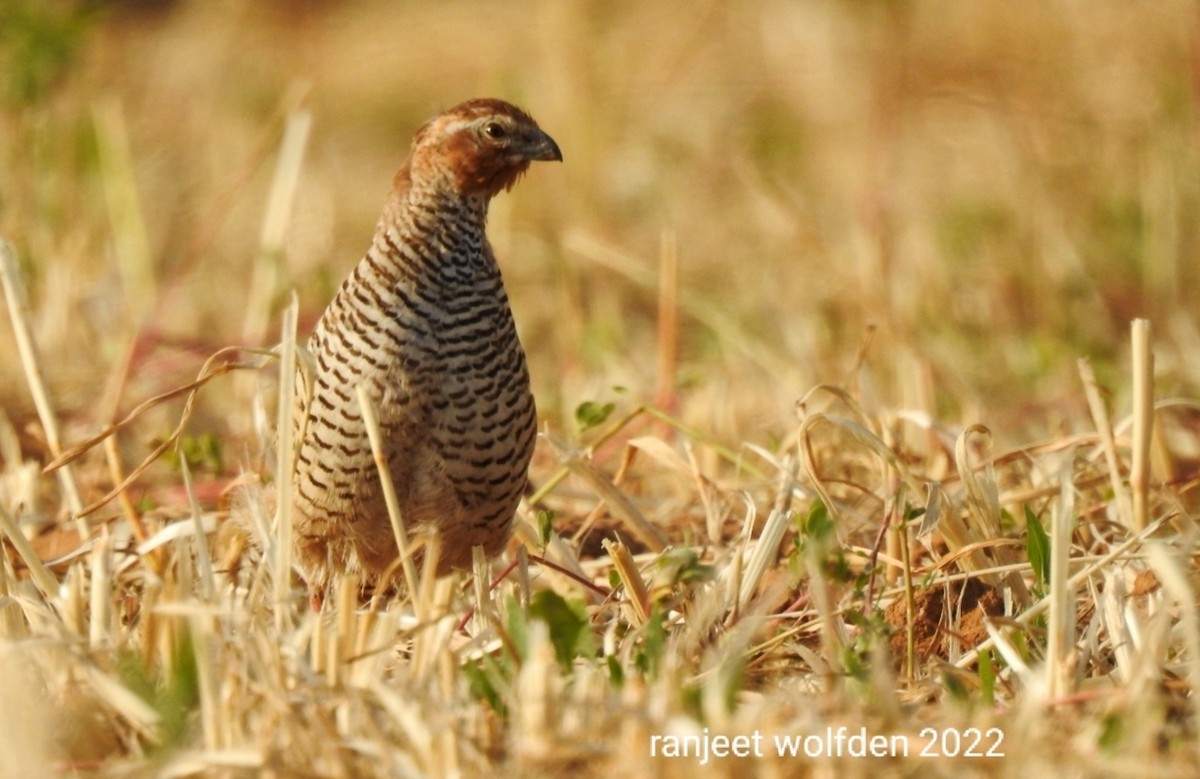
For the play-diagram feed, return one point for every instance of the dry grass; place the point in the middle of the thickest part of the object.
(894, 304)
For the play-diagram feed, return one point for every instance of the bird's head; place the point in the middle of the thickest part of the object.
(479, 147)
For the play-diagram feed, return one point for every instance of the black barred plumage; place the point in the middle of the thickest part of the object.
(424, 323)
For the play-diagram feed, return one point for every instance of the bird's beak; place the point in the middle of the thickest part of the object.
(542, 147)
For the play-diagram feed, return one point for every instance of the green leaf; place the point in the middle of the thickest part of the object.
(854, 664)
(818, 524)
(649, 659)
(683, 566)
(955, 688)
(482, 675)
(568, 625)
(1038, 545)
(615, 672)
(40, 43)
(589, 414)
(545, 524)
(987, 678)
(173, 691)
(1112, 733)
(518, 628)
(203, 453)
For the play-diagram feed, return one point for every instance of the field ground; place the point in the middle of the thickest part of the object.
(866, 342)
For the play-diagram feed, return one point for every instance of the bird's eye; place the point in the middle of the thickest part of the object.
(494, 130)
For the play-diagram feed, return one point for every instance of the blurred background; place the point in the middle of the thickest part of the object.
(938, 205)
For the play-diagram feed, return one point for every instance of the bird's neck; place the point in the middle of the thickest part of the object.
(411, 199)
(433, 237)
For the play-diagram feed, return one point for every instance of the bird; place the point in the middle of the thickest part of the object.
(423, 323)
